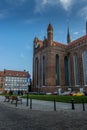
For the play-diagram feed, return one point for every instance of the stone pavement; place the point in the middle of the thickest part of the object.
(43, 105)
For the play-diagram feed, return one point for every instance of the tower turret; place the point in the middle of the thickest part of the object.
(50, 34)
(35, 39)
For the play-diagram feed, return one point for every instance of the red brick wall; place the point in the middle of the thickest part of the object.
(50, 57)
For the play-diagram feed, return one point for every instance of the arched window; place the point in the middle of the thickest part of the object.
(85, 66)
(37, 71)
(57, 70)
(76, 70)
(43, 70)
(66, 68)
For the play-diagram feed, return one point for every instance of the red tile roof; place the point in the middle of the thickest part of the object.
(54, 43)
(81, 39)
(16, 73)
(59, 44)
(1, 73)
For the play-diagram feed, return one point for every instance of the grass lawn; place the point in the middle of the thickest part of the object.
(67, 99)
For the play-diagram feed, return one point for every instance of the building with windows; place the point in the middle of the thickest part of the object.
(14, 80)
(1, 81)
(58, 66)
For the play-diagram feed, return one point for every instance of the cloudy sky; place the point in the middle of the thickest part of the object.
(22, 20)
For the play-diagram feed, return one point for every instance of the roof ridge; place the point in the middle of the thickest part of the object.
(79, 39)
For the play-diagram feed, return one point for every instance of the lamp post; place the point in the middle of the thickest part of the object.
(28, 90)
(27, 96)
(27, 100)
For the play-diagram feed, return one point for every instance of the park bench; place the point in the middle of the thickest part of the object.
(7, 98)
(16, 99)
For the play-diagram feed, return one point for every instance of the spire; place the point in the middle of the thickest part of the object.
(68, 36)
(50, 28)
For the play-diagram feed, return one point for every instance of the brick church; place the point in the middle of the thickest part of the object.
(59, 67)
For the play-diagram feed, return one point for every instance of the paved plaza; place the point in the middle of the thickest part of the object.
(43, 105)
(42, 116)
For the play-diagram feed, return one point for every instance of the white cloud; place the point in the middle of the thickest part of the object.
(66, 4)
(83, 12)
(76, 33)
(41, 4)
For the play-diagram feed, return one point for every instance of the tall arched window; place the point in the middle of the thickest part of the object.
(37, 71)
(76, 70)
(66, 67)
(85, 66)
(43, 70)
(57, 70)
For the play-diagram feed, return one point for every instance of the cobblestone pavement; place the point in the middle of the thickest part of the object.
(22, 118)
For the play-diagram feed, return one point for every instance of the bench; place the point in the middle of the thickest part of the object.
(16, 99)
(7, 98)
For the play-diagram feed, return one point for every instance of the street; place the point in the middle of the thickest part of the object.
(21, 119)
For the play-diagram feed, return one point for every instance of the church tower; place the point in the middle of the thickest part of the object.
(50, 34)
(68, 37)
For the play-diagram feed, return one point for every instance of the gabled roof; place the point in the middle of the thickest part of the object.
(59, 44)
(79, 40)
(54, 43)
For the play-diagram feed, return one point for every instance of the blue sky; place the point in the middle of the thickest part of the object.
(22, 20)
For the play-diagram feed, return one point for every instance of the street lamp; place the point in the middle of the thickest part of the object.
(28, 90)
(27, 95)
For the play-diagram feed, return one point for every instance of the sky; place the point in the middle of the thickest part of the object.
(22, 20)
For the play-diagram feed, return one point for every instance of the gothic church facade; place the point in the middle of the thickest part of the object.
(58, 66)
